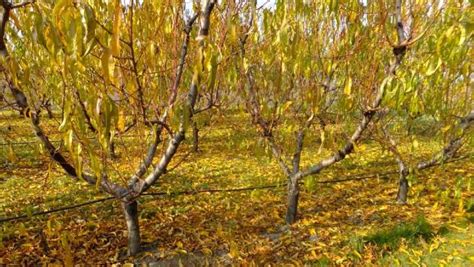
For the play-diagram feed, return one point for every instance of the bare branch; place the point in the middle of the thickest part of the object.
(452, 147)
(182, 59)
(23, 4)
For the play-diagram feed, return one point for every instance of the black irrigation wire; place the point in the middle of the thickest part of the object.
(188, 192)
(55, 141)
(195, 192)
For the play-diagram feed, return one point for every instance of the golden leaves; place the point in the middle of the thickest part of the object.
(12, 157)
(107, 65)
(115, 43)
(348, 86)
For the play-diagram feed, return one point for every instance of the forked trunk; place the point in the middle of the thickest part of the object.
(293, 194)
(130, 211)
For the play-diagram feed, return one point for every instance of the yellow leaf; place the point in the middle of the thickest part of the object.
(121, 121)
(11, 154)
(58, 7)
(207, 251)
(357, 254)
(115, 44)
(461, 206)
(107, 67)
(68, 258)
(415, 144)
(234, 250)
(348, 86)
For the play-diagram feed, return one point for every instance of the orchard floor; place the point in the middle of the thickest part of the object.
(335, 222)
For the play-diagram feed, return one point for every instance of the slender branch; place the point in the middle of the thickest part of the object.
(54, 153)
(134, 180)
(452, 147)
(368, 114)
(299, 144)
(182, 59)
(110, 32)
(135, 65)
(23, 4)
(254, 107)
(266, 131)
(140, 186)
(392, 146)
(147, 161)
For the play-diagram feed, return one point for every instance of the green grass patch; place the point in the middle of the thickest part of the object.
(469, 206)
(453, 247)
(409, 231)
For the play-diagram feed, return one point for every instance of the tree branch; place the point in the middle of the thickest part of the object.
(367, 115)
(140, 186)
(452, 147)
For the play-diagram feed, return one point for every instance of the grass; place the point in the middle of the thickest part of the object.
(411, 232)
(454, 246)
(417, 243)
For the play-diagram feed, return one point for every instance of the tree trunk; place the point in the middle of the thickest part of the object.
(130, 211)
(195, 137)
(402, 194)
(293, 194)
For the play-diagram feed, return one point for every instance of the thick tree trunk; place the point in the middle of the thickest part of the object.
(293, 195)
(402, 194)
(130, 211)
(195, 137)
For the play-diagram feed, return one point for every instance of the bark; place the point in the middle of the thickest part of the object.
(47, 106)
(293, 196)
(84, 111)
(402, 194)
(130, 211)
(293, 185)
(148, 160)
(195, 137)
(107, 186)
(182, 59)
(20, 98)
